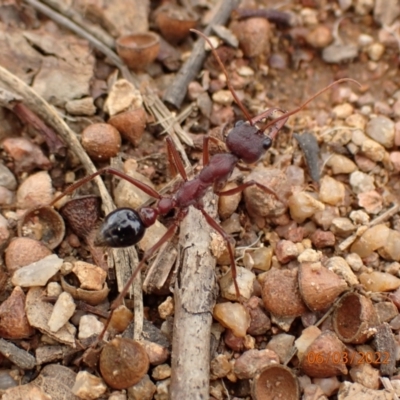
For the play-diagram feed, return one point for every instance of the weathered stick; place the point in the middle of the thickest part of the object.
(195, 295)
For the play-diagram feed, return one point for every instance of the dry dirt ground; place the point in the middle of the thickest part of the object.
(318, 262)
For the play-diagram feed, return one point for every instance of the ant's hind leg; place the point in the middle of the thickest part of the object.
(226, 237)
(108, 170)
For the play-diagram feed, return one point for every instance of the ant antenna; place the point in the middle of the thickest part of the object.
(214, 51)
(296, 110)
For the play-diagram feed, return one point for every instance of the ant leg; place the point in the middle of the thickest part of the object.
(167, 236)
(206, 152)
(226, 237)
(245, 185)
(175, 158)
(108, 170)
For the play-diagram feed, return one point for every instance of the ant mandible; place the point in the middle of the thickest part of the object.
(125, 227)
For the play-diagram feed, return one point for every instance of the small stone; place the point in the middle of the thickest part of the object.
(245, 280)
(359, 217)
(386, 311)
(252, 362)
(356, 121)
(361, 182)
(118, 396)
(35, 190)
(220, 367)
(166, 308)
(7, 197)
(4, 232)
(233, 316)
(329, 386)
(331, 191)
(91, 277)
(375, 51)
(397, 134)
(302, 206)
(366, 375)
(386, 12)
(309, 255)
(262, 258)
(286, 251)
(7, 178)
(371, 201)
(37, 273)
(223, 97)
(321, 239)
(161, 372)
(353, 391)
(339, 53)
(341, 164)
(282, 345)
(325, 217)
(227, 205)
(358, 137)
(378, 281)
(89, 326)
(63, 310)
(373, 150)
(122, 96)
(354, 261)
(395, 159)
(260, 323)
(88, 386)
(381, 129)
(157, 353)
(342, 111)
(162, 389)
(83, 106)
(391, 249)
(340, 267)
(363, 7)
(342, 227)
(372, 239)
(54, 289)
(144, 390)
(319, 37)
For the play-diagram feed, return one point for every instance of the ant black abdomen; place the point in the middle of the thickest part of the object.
(121, 228)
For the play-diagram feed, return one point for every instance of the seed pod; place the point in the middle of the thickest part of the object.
(319, 286)
(354, 318)
(280, 293)
(324, 357)
(123, 363)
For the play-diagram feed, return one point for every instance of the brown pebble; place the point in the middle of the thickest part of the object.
(321, 239)
(286, 251)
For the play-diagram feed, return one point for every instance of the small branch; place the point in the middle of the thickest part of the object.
(177, 90)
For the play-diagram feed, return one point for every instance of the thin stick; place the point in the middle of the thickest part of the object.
(177, 90)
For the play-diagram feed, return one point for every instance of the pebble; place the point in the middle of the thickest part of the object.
(358, 137)
(386, 11)
(366, 375)
(220, 367)
(286, 251)
(325, 217)
(282, 345)
(117, 396)
(162, 390)
(329, 386)
(82, 106)
(375, 51)
(35, 190)
(89, 326)
(4, 232)
(363, 163)
(351, 391)
(331, 191)
(372, 239)
(359, 217)
(342, 111)
(223, 97)
(251, 362)
(386, 311)
(321, 239)
(37, 273)
(227, 205)
(7, 178)
(308, 335)
(341, 164)
(161, 372)
(365, 40)
(320, 37)
(338, 53)
(6, 196)
(233, 316)
(363, 7)
(309, 255)
(302, 206)
(342, 226)
(245, 280)
(260, 323)
(166, 308)
(378, 281)
(339, 266)
(143, 390)
(54, 289)
(391, 249)
(88, 386)
(354, 261)
(122, 96)
(309, 16)
(373, 150)
(91, 277)
(395, 159)
(371, 201)
(381, 129)
(396, 112)
(262, 258)
(397, 134)
(361, 182)
(356, 121)
(157, 353)
(63, 310)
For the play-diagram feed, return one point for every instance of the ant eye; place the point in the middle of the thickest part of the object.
(267, 143)
(238, 123)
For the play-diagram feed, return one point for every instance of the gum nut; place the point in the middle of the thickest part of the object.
(319, 287)
(324, 357)
(254, 36)
(24, 251)
(130, 124)
(91, 277)
(92, 297)
(137, 51)
(174, 22)
(101, 141)
(35, 190)
(281, 294)
(302, 206)
(354, 318)
(378, 281)
(123, 363)
(13, 321)
(275, 382)
(233, 316)
(44, 224)
(82, 214)
(371, 240)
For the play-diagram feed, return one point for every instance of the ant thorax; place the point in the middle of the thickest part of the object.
(247, 142)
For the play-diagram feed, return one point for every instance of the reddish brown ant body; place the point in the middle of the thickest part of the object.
(125, 227)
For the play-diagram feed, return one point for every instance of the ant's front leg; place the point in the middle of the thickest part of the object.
(113, 171)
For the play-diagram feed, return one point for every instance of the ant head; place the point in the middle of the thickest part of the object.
(247, 142)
